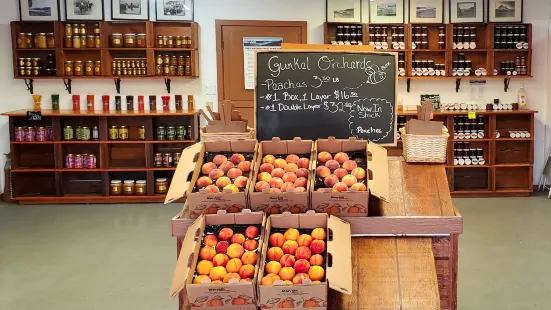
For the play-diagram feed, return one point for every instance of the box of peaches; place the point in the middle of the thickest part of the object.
(303, 255)
(345, 176)
(214, 176)
(219, 261)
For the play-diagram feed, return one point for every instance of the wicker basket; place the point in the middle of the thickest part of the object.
(227, 136)
(425, 149)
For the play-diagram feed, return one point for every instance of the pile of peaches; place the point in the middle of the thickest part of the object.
(340, 173)
(228, 256)
(294, 257)
(278, 175)
(222, 173)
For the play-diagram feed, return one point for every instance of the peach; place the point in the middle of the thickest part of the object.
(349, 180)
(225, 234)
(264, 176)
(341, 157)
(318, 234)
(203, 182)
(260, 186)
(223, 182)
(240, 181)
(270, 279)
(234, 173)
(287, 186)
(216, 173)
(331, 180)
(302, 266)
(270, 159)
(317, 246)
(275, 190)
(238, 238)
(231, 275)
(340, 173)
(237, 158)
(244, 166)
(332, 164)
(219, 159)
(287, 260)
(359, 173)
(204, 267)
(291, 168)
(276, 240)
(286, 273)
(323, 171)
(280, 163)
(220, 260)
(246, 271)
(303, 252)
(207, 167)
(234, 265)
(349, 165)
(250, 245)
(232, 188)
(277, 173)
(226, 166)
(235, 250)
(303, 162)
(249, 258)
(316, 282)
(300, 189)
(316, 260)
(316, 273)
(340, 187)
(291, 234)
(301, 182)
(252, 232)
(212, 189)
(276, 182)
(273, 267)
(275, 253)
(287, 282)
(222, 247)
(217, 273)
(266, 168)
(200, 278)
(289, 177)
(292, 158)
(324, 157)
(246, 280)
(289, 247)
(207, 253)
(304, 240)
(302, 173)
(299, 277)
(217, 282)
(359, 187)
(210, 240)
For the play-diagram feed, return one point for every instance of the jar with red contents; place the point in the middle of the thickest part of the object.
(141, 104)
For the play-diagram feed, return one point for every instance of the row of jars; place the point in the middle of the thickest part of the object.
(80, 68)
(166, 160)
(34, 66)
(31, 134)
(173, 66)
(129, 40)
(80, 161)
(89, 41)
(80, 133)
(129, 67)
(121, 133)
(171, 133)
(80, 30)
(38, 40)
(174, 42)
(138, 188)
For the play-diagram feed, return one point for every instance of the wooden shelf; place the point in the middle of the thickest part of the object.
(68, 113)
(89, 199)
(33, 170)
(514, 165)
(32, 142)
(465, 112)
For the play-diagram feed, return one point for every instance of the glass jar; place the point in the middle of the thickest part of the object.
(97, 67)
(128, 187)
(89, 68)
(187, 71)
(76, 41)
(116, 40)
(115, 188)
(161, 186)
(97, 41)
(29, 40)
(141, 188)
(189, 43)
(21, 40)
(165, 41)
(130, 40)
(68, 30)
(69, 68)
(35, 62)
(50, 40)
(68, 41)
(178, 42)
(141, 40)
(28, 62)
(40, 40)
(82, 29)
(160, 41)
(174, 61)
(123, 133)
(78, 68)
(96, 30)
(91, 41)
(83, 42)
(76, 30)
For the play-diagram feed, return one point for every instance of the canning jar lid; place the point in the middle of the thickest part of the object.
(116, 181)
(141, 182)
(116, 34)
(161, 180)
(128, 181)
(130, 35)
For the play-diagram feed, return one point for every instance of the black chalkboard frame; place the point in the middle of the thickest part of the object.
(318, 48)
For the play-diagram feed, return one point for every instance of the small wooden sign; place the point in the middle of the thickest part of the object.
(34, 115)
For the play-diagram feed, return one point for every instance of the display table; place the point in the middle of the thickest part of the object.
(402, 248)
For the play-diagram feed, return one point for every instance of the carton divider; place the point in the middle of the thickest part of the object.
(339, 273)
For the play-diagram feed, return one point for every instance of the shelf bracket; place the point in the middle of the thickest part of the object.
(167, 84)
(506, 82)
(68, 86)
(30, 85)
(117, 85)
(408, 84)
(457, 85)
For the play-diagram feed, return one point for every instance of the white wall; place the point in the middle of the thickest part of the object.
(15, 95)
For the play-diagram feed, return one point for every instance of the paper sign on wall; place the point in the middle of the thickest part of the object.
(250, 45)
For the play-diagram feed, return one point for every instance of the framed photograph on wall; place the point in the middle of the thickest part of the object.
(130, 9)
(76, 10)
(344, 11)
(466, 11)
(39, 10)
(426, 11)
(386, 11)
(505, 11)
(174, 10)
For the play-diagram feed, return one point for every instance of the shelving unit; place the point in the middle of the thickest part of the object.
(39, 175)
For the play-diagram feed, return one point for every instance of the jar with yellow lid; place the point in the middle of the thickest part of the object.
(50, 40)
(130, 40)
(115, 188)
(116, 40)
(21, 40)
(89, 68)
(161, 186)
(141, 188)
(40, 40)
(78, 68)
(69, 68)
(141, 40)
(128, 187)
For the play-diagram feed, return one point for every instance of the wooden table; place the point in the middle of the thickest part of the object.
(404, 254)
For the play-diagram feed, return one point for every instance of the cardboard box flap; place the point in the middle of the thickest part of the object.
(379, 169)
(243, 146)
(180, 178)
(339, 275)
(300, 147)
(179, 278)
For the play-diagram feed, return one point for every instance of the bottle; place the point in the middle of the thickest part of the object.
(521, 95)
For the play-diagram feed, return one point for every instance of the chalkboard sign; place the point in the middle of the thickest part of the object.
(315, 95)
(34, 115)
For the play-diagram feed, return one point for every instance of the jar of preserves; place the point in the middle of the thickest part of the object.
(22, 71)
(82, 29)
(89, 68)
(141, 40)
(161, 186)
(83, 42)
(28, 62)
(141, 188)
(68, 42)
(128, 188)
(181, 61)
(130, 40)
(171, 133)
(50, 40)
(40, 40)
(157, 160)
(96, 30)
(187, 62)
(165, 41)
(123, 133)
(36, 71)
(178, 42)
(69, 68)
(187, 71)
(97, 41)
(35, 62)
(78, 68)
(91, 41)
(167, 160)
(76, 30)
(181, 71)
(68, 30)
(29, 40)
(113, 133)
(161, 133)
(21, 62)
(142, 132)
(116, 40)
(160, 41)
(28, 71)
(97, 67)
(76, 41)
(170, 42)
(21, 40)
(166, 60)
(174, 61)
(115, 188)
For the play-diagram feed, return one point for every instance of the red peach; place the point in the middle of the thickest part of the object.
(244, 166)
(316, 273)
(277, 173)
(340, 173)
(200, 278)
(234, 173)
(317, 246)
(264, 176)
(286, 273)
(318, 234)
(260, 186)
(349, 165)
(299, 277)
(280, 163)
(246, 271)
(252, 232)
(276, 240)
(219, 159)
(270, 279)
(217, 273)
(331, 180)
(289, 177)
(222, 247)
(302, 173)
(289, 247)
(291, 234)
(212, 189)
(275, 253)
(235, 250)
(241, 181)
(341, 157)
(303, 252)
(246, 280)
(226, 166)
(359, 173)
(211, 240)
(316, 260)
(291, 168)
(225, 234)
(300, 189)
(292, 158)
(207, 167)
(359, 187)
(266, 168)
(303, 163)
(323, 171)
(301, 182)
(230, 276)
(204, 181)
(223, 181)
(302, 266)
(220, 260)
(304, 240)
(249, 257)
(287, 260)
(238, 238)
(287, 186)
(276, 182)
(324, 157)
(270, 159)
(340, 187)
(349, 180)
(216, 173)
(207, 253)
(237, 158)
(234, 265)
(204, 267)
(273, 267)
(250, 245)
(275, 190)
(232, 188)
(332, 164)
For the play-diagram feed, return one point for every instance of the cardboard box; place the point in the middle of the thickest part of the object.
(189, 170)
(338, 276)
(276, 203)
(351, 203)
(240, 295)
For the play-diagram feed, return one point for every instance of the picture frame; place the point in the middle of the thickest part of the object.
(467, 11)
(84, 10)
(505, 11)
(39, 10)
(344, 11)
(386, 11)
(174, 10)
(130, 9)
(426, 11)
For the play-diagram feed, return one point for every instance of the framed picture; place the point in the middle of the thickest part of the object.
(426, 11)
(76, 10)
(386, 11)
(130, 9)
(466, 11)
(175, 10)
(344, 11)
(505, 11)
(39, 10)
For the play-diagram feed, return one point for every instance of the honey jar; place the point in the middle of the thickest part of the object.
(130, 40)
(97, 41)
(82, 30)
(160, 42)
(170, 42)
(116, 40)
(128, 187)
(68, 42)
(76, 41)
(50, 40)
(40, 40)
(68, 68)
(78, 68)
(141, 188)
(76, 30)
(123, 133)
(89, 68)
(68, 30)
(29, 40)
(35, 62)
(178, 42)
(91, 41)
(28, 62)
(141, 40)
(97, 67)
(21, 40)
(113, 133)
(161, 186)
(115, 188)
(83, 42)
